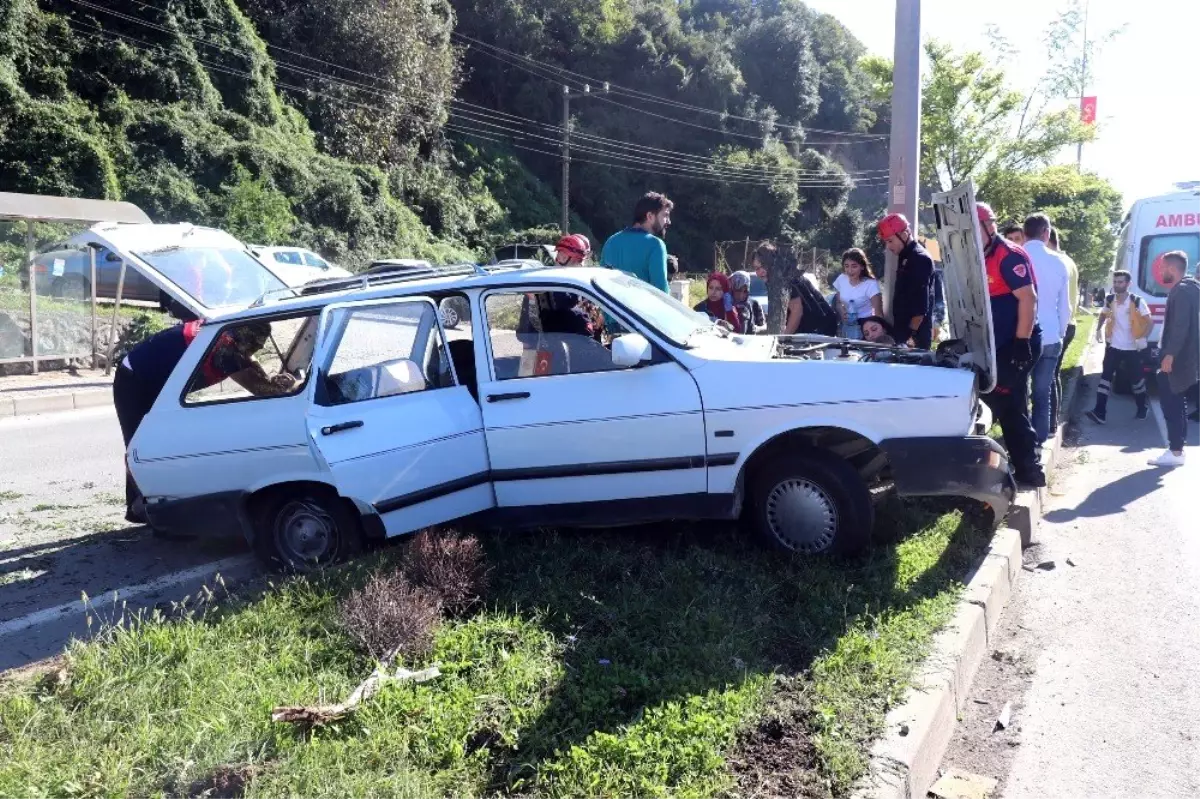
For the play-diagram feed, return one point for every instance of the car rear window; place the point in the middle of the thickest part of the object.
(1150, 264)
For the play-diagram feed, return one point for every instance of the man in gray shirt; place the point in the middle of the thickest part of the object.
(1179, 369)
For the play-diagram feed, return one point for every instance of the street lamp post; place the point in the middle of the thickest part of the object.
(568, 96)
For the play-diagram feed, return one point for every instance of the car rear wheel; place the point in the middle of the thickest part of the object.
(812, 503)
(449, 316)
(305, 531)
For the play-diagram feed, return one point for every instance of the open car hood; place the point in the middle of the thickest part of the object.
(206, 271)
(964, 277)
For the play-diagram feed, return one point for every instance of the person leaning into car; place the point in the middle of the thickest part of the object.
(145, 370)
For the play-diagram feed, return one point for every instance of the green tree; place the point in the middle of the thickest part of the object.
(255, 211)
(1084, 207)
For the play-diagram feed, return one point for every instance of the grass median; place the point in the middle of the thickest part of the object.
(679, 660)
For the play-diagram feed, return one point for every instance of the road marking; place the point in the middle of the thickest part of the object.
(57, 418)
(125, 594)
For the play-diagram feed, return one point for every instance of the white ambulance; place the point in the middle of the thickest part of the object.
(1154, 226)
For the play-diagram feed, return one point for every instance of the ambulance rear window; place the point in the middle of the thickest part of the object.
(1149, 273)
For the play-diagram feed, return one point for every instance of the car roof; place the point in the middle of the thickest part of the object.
(367, 287)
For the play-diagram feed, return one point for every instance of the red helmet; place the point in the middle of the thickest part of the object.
(985, 212)
(575, 245)
(892, 225)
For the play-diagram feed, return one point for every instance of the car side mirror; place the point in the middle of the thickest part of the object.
(631, 350)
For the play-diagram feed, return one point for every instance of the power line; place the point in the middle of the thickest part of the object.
(646, 96)
(668, 155)
(811, 178)
(709, 174)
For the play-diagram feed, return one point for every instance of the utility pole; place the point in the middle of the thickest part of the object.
(904, 163)
(568, 96)
(1083, 80)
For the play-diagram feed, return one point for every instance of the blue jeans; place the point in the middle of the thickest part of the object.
(1045, 373)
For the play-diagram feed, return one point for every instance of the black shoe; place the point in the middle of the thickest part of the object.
(1032, 480)
(1142, 413)
(1095, 417)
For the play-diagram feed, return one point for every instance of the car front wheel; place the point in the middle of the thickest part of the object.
(812, 503)
(305, 531)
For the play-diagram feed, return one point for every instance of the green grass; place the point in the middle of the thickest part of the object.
(602, 664)
(1085, 326)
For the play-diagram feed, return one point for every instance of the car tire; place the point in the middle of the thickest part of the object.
(304, 531)
(71, 287)
(449, 316)
(812, 503)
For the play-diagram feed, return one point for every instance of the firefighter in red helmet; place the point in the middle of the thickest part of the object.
(1012, 287)
(912, 299)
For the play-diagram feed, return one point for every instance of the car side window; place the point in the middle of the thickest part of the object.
(289, 257)
(543, 333)
(385, 351)
(311, 259)
(254, 360)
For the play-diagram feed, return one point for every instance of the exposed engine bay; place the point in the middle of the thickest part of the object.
(950, 354)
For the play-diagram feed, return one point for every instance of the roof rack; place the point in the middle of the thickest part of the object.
(389, 272)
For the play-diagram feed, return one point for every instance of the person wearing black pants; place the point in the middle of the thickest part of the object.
(1056, 386)
(148, 366)
(1013, 292)
(1179, 369)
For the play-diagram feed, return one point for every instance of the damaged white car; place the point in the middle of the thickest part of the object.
(526, 417)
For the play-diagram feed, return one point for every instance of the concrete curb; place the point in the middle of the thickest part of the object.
(50, 403)
(904, 764)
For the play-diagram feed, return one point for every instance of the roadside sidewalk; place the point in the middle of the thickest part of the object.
(62, 390)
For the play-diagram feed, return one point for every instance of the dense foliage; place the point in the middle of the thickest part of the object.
(431, 128)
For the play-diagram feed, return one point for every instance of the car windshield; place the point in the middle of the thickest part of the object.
(213, 277)
(758, 286)
(664, 313)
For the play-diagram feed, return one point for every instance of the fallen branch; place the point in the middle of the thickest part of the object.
(317, 715)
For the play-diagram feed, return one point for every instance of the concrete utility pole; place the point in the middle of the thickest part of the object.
(905, 161)
(568, 96)
(1083, 81)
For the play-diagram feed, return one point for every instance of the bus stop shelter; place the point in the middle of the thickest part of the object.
(32, 209)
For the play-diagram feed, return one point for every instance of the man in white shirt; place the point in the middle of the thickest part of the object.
(1053, 314)
(1125, 323)
(1069, 336)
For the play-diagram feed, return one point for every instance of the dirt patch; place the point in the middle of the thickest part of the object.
(226, 782)
(42, 669)
(776, 757)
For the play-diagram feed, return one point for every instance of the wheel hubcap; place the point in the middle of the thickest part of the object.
(802, 516)
(449, 317)
(305, 533)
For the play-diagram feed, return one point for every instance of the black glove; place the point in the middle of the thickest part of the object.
(1022, 354)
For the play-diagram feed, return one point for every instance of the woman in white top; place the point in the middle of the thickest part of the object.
(857, 292)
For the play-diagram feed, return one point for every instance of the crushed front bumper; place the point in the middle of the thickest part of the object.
(967, 466)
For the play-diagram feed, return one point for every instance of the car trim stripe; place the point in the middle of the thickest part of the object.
(414, 445)
(596, 419)
(273, 448)
(830, 402)
(554, 472)
(432, 492)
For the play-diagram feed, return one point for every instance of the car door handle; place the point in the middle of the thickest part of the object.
(504, 397)
(339, 427)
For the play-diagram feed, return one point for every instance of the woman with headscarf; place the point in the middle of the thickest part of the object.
(719, 303)
(753, 319)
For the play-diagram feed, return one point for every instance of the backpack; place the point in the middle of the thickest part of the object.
(819, 317)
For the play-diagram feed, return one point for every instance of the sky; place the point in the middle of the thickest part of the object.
(1145, 81)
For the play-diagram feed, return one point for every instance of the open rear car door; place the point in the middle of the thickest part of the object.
(205, 272)
(964, 273)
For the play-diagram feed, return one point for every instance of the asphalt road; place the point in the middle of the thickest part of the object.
(63, 536)
(1100, 655)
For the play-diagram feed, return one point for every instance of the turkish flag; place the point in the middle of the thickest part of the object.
(1087, 110)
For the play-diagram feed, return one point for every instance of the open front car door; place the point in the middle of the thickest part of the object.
(400, 435)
